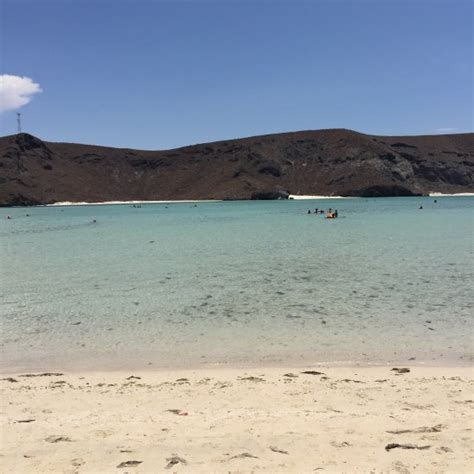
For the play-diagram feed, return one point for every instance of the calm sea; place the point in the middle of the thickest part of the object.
(238, 283)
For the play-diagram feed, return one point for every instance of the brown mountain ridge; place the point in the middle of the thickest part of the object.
(322, 162)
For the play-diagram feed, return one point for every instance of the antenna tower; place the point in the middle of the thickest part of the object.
(18, 122)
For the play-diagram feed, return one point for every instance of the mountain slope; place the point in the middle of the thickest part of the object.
(325, 162)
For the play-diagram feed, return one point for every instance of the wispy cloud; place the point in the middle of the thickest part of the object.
(446, 130)
(16, 91)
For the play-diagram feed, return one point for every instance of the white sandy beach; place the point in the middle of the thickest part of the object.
(301, 197)
(450, 195)
(231, 420)
(112, 203)
(296, 197)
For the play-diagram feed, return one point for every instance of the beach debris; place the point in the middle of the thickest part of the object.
(183, 381)
(128, 464)
(277, 450)
(175, 411)
(28, 420)
(133, 377)
(422, 429)
(151, 242)
(290, 375)
(416, 406)
(352, 380)
(243, 456)
(381, 380)
(10, 379)
(57, 439)
(175, 460)
(312, 372)
(76, 323)
(405, 446)
(344, 444)
(402, 370)
(126, 451)
(44, 374)
(252, 379)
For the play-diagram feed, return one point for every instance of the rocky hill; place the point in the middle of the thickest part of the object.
(323, 162)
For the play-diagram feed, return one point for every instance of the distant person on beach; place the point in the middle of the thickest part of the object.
(421, 207)
(316, 211)
(309, 211)
(335, 213)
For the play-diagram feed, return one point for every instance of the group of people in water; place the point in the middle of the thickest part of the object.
(330, 214)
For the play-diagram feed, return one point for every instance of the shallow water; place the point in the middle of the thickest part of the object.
(251, 282)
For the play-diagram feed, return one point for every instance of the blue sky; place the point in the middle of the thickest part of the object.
(161, 74)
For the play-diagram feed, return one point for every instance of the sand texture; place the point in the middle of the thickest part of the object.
(247, 420)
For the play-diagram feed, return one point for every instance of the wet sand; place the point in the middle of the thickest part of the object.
(240, 420)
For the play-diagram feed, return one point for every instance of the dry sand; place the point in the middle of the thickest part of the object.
(230, 420)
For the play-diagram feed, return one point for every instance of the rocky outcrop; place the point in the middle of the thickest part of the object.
(323, 162)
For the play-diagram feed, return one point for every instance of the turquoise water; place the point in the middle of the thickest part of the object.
(237, 283)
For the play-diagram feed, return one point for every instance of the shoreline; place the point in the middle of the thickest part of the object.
(450, 195)
(292, 197)
(119, 203)
(418, 370)
(235, 420)
(302, 197)
(150, 368)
